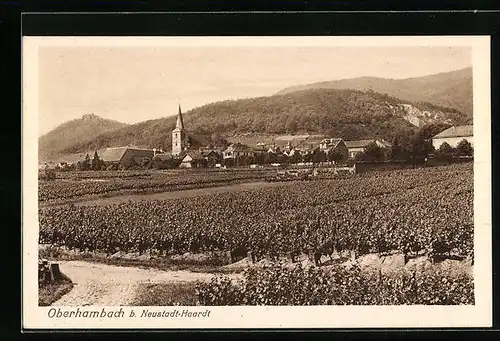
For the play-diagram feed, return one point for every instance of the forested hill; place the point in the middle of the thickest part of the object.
(66, 135)
(449, 89)
(348, 114)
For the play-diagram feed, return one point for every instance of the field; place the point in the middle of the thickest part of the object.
(75, 186)
(415, 211)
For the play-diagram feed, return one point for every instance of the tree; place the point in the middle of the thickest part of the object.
(429, 130)
(291, 125)
(401, 148)
(420, 147)
(270, 157)
(259, 158)
(85, 164)
(464, 148)
(282, 158)
(307, 157)
(445, 148)
(97, 163)
(217, 140)
(421, 141)
(445, 152)
(318, 156)
(50, 174)
(371, 153)
(296, 157)
(335, 156)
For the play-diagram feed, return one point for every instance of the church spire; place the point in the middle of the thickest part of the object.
(180, 122)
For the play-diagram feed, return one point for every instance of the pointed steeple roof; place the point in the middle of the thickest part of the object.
(180, 122)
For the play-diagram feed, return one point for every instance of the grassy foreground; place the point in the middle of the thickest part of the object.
(50, 293)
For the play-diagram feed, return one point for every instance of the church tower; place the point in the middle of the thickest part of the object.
(178, 135)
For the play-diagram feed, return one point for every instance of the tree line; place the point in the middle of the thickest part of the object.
(415, 148)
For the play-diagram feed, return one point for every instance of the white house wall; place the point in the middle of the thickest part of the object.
(452, 141)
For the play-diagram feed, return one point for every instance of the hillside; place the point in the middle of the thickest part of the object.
(449, 89)
(86, 128)
(345, 113)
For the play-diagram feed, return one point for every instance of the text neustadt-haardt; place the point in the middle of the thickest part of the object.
(175, 313)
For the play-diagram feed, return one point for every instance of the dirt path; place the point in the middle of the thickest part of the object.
(101, 284)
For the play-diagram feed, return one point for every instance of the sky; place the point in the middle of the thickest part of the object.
(134, 84)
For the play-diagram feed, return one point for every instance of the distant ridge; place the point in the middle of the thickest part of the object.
(67, 134)
(349, 114)
(448, 89)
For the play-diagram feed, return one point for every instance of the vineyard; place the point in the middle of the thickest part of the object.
(313, 286)
(78, 185)
(428, 209)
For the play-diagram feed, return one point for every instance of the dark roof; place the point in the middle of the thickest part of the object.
(116, 154)
(334, 142)
(71, 158)
(112, 154)
(194, 154)
(181, 154)
(180, 122)
(456, 131)
(208, 152)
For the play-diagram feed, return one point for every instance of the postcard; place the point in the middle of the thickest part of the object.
(256, 182)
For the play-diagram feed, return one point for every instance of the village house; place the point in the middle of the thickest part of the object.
(165, 161)
(125, 156)
(359, 146)
(453, 136)
(260, 148)
(334, 145)
(212, 157)
(193, 159)
(237, 150)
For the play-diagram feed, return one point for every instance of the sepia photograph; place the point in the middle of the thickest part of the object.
(173, 178)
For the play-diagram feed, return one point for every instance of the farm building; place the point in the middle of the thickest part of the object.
(453, 136)
(359, 146)
(335, 145)
(193, 159)
(238, 150)
(125, 156)
(212, 156)
(260, 148)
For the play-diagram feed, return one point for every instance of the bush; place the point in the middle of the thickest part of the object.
(314, 286)
(464, 148)
(50, 175)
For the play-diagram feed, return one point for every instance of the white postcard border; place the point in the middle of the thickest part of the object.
(479, 315)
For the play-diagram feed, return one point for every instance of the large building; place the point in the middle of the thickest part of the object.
(453, 136)
(125, 156)
(359, 146)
